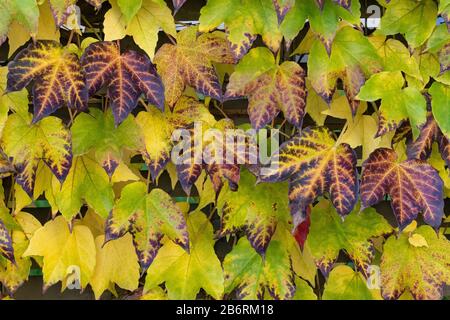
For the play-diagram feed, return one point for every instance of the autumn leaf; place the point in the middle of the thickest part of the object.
(282, 7)
(28, 144)
(86, 182)
(346, 284)
(421, 148)
(422, 270)
(398, 104)
(126, 77)
(250, 275)
(149, 217)
(413, 185)
(270, 88)
(61, 249)
(400, 17)
(244, 20)
(142, 19)
(257, 209)
(116, 263)
(217, 148)
(156, 130)
(56, 75)
(329, 234)
(6, 243)
(315, 165)
(97, 131)
(24, 12)
(353, 59)
(189, 62)
(185, 273)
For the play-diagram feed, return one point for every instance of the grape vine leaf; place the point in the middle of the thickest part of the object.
(87, 181)
(143, 26)
(220, 149)
(324, 20)
(60, 10)
(116, 263)
(346, 284)
(6, 243)
(56, 75)
(189, 62)
(440, 96)
(398, 104)
(244, 20)
(353, 59)
(149, 217)
(314, 165)
(328, 235)
(97, 131)
(13, 275)
(129, 8)
(62, 248)
(185, 273)
(413, 185)
(250, 275)
(282, 7)
(255, 208)
(421, 270)
(400, 17)
(24, 12)
(28, 144)
(126, 76)
(395, 56)
(156, 130)
(421, 148)
(270, 88)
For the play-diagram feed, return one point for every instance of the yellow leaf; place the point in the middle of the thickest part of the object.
(64, 252)
(28, 223)
(117, 262)
(411, 227)
(418, 241)
(94, 222)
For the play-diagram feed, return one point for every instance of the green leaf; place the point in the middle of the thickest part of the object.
(28, 144)
(148, 217)
(129, 8)
(402, 16)
(247, 273)
(440, 97)
(185, 273)
(87, 181)
(97, 131)
(422, 270)
(328, 235)
(303, 290)
(346, 284)
(353, 59)
(244, 20)
(255, 208)
(398, 104)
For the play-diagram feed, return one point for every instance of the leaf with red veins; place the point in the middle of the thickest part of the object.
(413, 185)
(126, 77)
(315, 165)
(56, 75)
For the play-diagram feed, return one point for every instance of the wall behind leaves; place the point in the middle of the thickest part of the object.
(92, 91)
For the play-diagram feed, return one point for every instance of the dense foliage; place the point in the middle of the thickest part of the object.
(88, 124)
